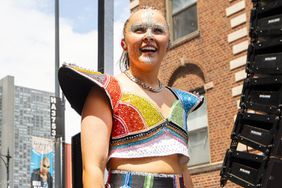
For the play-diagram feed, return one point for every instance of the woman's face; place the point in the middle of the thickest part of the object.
(146, 37)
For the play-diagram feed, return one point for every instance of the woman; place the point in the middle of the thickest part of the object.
(131, 123)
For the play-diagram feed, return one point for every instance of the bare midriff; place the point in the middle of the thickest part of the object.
(165, 164)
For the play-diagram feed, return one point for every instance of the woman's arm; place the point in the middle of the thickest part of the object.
(96, 128)
(187, 177)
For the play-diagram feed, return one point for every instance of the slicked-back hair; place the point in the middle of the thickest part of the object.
(124, 63)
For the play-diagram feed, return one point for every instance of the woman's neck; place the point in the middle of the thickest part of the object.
(148, 77)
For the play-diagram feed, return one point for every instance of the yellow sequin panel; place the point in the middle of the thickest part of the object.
(80, 69)
(150, 114)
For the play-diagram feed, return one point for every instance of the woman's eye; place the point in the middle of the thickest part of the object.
(158, 30)
(139, 30)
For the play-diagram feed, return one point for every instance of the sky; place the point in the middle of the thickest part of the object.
(27, 42)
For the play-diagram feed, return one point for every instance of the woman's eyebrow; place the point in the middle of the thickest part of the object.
(145, 25)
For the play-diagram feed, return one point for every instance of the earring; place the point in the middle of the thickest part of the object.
(123, 45)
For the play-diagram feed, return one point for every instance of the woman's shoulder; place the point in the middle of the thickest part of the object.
(76, 82)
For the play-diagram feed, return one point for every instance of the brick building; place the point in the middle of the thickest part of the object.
(209, 40)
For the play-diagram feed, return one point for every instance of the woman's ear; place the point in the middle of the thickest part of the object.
(123, 44)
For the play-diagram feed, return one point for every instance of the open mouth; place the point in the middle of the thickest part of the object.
(148, 49)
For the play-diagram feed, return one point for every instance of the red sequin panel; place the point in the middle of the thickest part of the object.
(118, 128)
(130, 117)
(114, 90)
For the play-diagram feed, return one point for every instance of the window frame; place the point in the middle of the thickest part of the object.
(169, 16)
(208, 143)
(201, 91)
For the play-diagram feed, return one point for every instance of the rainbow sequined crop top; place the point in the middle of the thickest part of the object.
(139, 129)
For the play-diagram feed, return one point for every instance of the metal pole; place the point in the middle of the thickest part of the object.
(105, 36)
(101, 35)
(8, 157)
(58, 140)
(8, 161)
(57, 48)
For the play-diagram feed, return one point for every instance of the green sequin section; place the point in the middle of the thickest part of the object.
(176, 115)
(150, 114)
(148, 182)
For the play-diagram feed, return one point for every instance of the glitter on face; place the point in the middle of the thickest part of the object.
(147, 59)
(148, 27)
(147, 37)
(147, 16)
(143, 27)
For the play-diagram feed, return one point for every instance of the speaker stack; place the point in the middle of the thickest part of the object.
(259, 120)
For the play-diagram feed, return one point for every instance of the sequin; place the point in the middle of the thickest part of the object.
(96, 76)
(130, 117)
(176, 114)
(119, 128)
(150, 135)
(150, 114)
(188, 99)
(114, 91)
(138, 122)
(83, 70)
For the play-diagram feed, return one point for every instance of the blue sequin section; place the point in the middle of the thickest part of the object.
(187, 99)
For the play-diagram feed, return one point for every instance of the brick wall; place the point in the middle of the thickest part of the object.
(210, 180)
(211, 50)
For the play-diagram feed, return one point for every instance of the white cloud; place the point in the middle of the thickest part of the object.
(27, 48)
(28, 52)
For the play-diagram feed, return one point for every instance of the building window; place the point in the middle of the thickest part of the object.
(199, 150)
(183, 18)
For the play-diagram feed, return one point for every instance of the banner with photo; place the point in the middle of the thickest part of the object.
(42, 161)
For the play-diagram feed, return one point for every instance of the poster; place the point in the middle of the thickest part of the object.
(42, 160)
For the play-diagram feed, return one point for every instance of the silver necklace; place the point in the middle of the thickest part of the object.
(143, 84)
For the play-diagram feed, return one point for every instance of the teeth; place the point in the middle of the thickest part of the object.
(149, 48)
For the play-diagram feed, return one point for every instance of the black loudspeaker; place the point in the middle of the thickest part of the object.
(265, 64)
(277, 144)
(259, 121)
(268, 44)
(76, 161)
(266, 34)
(268, 26)
(262, 94)
(272, 177)
(265, 45)
(255, 130)
(243, 168)
(266, 7)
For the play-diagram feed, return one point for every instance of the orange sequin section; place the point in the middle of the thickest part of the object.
(113, 89)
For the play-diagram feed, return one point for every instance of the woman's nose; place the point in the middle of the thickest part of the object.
(148, 35)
